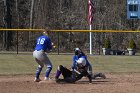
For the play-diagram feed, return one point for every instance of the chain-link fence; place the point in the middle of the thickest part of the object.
(65, 42)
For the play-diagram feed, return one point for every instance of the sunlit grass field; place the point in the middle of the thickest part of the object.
(12, 64)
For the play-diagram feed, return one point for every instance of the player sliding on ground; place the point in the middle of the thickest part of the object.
(74, 75)
(80, 68)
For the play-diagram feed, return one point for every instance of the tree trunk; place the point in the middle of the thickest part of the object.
(31, 14)
(8, 20)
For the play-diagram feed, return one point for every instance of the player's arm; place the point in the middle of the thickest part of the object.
(84, 72)
(49, 44)
(79, 73)
(74, 62)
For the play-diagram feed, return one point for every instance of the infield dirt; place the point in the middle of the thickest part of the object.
(114, 83)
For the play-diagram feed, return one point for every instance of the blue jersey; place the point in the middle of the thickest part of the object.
(43, 43)
(76, 57)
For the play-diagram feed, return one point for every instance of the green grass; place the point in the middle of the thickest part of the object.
(116, 63)
(25, 64)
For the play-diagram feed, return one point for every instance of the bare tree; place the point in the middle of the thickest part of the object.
(31, 14)
(8, 20)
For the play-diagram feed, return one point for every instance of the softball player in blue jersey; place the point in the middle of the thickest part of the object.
(79, 54)
(43, 44)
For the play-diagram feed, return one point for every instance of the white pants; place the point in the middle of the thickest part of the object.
(41, 58)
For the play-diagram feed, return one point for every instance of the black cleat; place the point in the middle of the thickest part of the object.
(100, 75)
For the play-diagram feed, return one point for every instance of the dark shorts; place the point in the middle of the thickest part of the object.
(65, 72)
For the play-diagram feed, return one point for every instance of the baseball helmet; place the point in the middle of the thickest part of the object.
(81, 62)
(77, 51)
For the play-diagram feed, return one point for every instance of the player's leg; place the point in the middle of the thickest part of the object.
(48, 64)
(89, 69)
(95, 75)
(39, 69)
(65, 72)
(101, 75)
(40, 66)
(48, 70)
(58, 72)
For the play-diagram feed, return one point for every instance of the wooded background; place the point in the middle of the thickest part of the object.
(68, 15)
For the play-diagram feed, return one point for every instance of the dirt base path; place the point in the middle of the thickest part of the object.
(115, 83)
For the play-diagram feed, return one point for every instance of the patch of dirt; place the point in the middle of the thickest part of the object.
(114, 83)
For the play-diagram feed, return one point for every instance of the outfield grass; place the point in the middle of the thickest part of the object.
(24, 64)
(116, 63)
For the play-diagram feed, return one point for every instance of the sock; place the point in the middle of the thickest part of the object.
(38, 71)
(48, 70)
(57, 74)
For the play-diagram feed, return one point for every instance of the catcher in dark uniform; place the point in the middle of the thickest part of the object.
(74, 75)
